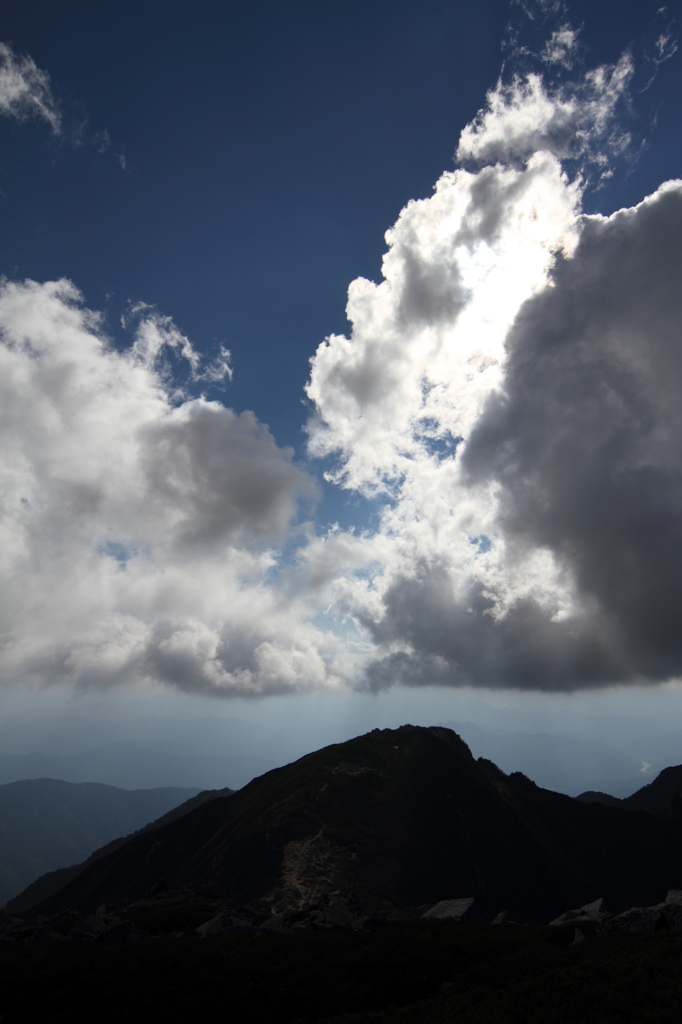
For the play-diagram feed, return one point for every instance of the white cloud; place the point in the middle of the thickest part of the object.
(427, 342)
(561, 47)
(510, 387)
(25, 90)
(665, 47)
(509, 390)
(138, 531)
(574, 121)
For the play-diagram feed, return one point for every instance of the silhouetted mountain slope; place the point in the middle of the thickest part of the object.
(48, 823)
(53, 881)
(592, 796)
(661, 796)
(401, 817)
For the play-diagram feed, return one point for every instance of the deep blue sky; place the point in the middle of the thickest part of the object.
(268, 147)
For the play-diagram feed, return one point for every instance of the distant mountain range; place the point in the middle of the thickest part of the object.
(567, 764)
(48, 884)
(130, 765)
(661, 797)
(567, 751)
(49, 823)
(400, 817)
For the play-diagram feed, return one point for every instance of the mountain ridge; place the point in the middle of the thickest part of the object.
(401, 817)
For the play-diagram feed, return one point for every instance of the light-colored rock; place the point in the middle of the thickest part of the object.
(452, 910)
(596, 911)
(637, 919)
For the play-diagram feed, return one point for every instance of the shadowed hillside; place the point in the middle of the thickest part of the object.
(662, 796)
(51, 882)
(48, 823)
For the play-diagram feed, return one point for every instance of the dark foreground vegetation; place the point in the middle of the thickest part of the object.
(403, 973)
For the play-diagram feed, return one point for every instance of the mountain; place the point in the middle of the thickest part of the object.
(592, 796)
(53, 881)
(49, 823)
(400, 817)
(563, 763)
(132, 765)
(662, 797)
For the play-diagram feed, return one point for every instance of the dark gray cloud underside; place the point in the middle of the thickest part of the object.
(586, 439)
(585, 443)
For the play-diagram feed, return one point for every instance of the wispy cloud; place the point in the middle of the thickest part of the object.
(577, 121)
(25, 90)
(26, 93)
(561, 47)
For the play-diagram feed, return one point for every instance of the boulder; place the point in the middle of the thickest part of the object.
(453, 910)
(374, 922)
(637, 919)
(34, 931)
(596, 912)
(63, 922)
(216, 926)
(276, 925)
(90, 928)
(321, 916)
(116, 933)
(334, 915)
(240, 931)
(672, 908)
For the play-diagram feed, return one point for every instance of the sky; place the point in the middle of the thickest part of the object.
(340, 363)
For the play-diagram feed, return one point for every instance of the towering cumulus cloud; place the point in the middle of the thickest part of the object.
(138, 525)
(512, 388)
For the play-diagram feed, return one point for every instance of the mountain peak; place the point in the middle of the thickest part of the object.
(402, 817)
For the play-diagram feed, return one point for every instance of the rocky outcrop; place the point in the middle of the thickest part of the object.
(661, 916)
(166, 910)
